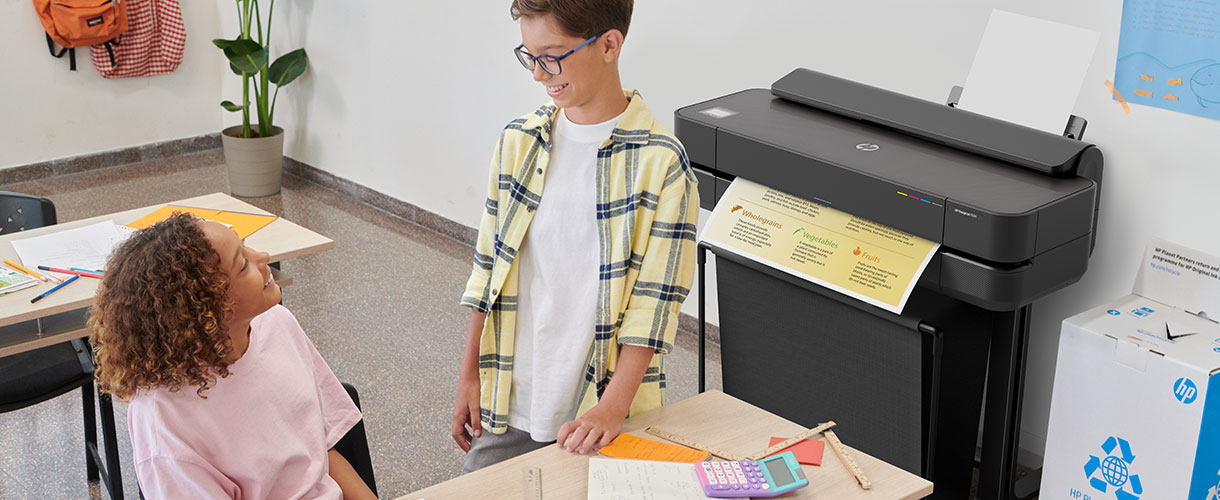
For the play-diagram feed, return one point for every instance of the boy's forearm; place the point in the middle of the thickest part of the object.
(469, 368)
(633, 361)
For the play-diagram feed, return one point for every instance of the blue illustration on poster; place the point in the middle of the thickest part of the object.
(1169, 55)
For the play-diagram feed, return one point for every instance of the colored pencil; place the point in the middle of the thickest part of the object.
(21, 268)
(57, 287)
(86, 274)
(99, 271)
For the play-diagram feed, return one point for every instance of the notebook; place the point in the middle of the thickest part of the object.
(13, 280)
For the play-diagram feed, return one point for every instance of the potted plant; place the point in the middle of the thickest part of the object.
(255, 154)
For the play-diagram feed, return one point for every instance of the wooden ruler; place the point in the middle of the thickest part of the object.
(793, 440)
(824, 429)
(531, 483)
(691, 444)
(847, 461)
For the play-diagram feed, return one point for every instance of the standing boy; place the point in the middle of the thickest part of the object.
(576, 288)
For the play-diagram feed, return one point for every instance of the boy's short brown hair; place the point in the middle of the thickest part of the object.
(580, 18)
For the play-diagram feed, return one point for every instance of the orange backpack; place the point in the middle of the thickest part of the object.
(80, 23)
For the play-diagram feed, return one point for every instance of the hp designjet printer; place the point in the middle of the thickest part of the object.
(1015, 211)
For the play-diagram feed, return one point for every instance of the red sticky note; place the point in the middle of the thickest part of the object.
(808, 452)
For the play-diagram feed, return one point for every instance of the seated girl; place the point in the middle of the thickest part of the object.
(229, 398)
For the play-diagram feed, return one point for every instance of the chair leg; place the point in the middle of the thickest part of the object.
(115, 484)
(90, 431)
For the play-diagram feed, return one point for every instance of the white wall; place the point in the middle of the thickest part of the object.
(48, 112)
(408, 97)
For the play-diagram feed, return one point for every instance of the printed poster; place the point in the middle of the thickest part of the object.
(1169, 55)
(853, 256)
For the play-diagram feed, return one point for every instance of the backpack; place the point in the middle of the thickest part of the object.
(153, 45)
(79, 23)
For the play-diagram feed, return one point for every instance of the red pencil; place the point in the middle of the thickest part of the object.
(68, 271)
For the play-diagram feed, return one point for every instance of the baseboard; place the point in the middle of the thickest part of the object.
(382, 201)
(107, 159)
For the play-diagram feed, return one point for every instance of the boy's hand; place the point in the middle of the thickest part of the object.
(592, 431)
(466, 412)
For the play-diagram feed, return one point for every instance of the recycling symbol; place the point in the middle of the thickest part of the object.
(1114, 471)
(1214, 492)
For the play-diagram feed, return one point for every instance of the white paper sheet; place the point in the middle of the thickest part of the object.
(1181, 277)
(85, 247)
(1028, 71)
(618, 479)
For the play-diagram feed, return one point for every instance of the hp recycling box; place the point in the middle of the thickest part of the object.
(1136, 406)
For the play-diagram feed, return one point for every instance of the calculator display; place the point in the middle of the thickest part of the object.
(779, 472)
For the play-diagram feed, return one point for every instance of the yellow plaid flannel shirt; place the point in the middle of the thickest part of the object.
(647, 207)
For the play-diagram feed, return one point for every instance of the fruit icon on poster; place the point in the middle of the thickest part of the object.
(856, 251)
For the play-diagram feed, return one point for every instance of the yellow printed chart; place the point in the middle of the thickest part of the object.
(860, 258)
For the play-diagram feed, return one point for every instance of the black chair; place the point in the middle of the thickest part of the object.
(354, 446)
(32, 377)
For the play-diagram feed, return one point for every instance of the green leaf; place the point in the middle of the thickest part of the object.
(221, 43)
(288, 67)
(229, 106)
(235, 70)
(246, 55)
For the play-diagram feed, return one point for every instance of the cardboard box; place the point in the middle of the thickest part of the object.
(1135, 412)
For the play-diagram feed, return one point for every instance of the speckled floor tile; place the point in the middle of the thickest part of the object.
(381, 308)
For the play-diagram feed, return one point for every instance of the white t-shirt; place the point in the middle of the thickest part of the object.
(558, 275)
(262, 433)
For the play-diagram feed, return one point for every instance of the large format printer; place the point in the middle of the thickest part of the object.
(1015, 211)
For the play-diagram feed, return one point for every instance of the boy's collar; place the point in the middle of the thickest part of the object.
(633, 125)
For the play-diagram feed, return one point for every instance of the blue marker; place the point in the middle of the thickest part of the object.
(57, 287)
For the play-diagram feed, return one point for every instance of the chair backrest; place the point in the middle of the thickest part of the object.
(19, 212)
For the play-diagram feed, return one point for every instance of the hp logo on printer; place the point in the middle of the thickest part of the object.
(867, 146)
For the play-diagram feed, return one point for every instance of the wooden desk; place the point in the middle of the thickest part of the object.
(62, 312)
(712, 418)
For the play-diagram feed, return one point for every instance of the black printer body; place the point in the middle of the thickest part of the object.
(1014, 208)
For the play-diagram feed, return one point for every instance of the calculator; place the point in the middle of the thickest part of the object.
(768, 477)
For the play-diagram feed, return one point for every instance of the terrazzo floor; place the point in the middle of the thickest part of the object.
(381, 308)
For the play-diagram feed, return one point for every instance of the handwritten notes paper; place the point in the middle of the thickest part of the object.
(85, 247)
(617, 479)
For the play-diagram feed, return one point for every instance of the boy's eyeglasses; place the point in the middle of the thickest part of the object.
(550, 64)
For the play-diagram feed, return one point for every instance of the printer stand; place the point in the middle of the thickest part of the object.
(1002, 414)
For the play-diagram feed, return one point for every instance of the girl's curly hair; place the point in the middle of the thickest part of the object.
(158, 318)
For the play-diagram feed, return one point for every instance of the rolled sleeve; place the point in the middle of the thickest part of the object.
(668, 265)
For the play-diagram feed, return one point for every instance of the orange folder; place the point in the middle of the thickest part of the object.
(244, 224)
(638, 448)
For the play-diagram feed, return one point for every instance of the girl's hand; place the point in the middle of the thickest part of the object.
(466, 412)
(591, 431)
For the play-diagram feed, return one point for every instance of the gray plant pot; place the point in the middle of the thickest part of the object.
(255, 165)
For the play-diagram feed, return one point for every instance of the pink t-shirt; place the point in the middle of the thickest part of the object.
(262, 433)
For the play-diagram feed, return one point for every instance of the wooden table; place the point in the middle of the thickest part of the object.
(61, 313)
(714, 419)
